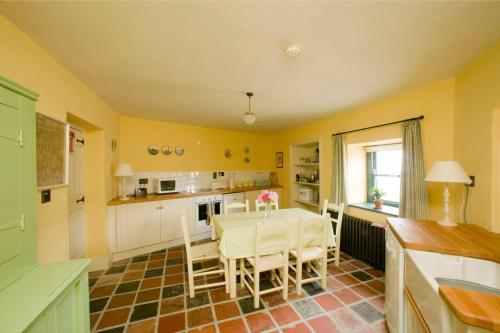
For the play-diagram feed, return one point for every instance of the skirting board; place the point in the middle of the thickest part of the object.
(156, 247)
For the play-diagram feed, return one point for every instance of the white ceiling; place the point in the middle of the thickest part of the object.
(192, 62)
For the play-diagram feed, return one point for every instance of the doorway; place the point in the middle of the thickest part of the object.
(76, 195)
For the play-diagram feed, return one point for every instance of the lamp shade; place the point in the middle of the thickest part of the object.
(249, 118)
(124, 170)
(447, 172)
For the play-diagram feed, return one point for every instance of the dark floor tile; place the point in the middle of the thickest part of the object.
(199, 299)
(172, 291)
(307, 308)
(127, 287)
(173, 262)
(144, 311)
(160, 251)
(361, 276)
(266, 284)
(313, 288)
(140, 259)
(116, 269)
(246, 305)
(97, 305)
(367, 312)
(196, 266)
(114, 330)
(153, 272)
(92, 282)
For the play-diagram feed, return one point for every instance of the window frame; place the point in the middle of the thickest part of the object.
(371, 155)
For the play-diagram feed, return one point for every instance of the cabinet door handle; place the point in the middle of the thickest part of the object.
(159, 207)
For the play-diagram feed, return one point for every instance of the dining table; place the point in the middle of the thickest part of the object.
(235, 233)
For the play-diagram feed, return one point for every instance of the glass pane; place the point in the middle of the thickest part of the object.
(388, 162)
(389, 185)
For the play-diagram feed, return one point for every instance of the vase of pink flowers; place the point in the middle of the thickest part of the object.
(268, 197)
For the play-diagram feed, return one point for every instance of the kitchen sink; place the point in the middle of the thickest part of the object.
(426, 271)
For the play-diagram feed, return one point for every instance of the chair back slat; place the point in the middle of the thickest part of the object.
(236, 205)
(271, 239)
(312, 232)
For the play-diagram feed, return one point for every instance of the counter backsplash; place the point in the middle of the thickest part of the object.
(195, 180)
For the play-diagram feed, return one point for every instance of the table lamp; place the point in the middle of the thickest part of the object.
(447, 172)
(124, 171)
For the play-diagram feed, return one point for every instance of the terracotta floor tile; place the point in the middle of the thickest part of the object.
(347, 267)
(232, 326)
(226, 310)
(206, 329)
(139, 266)
(113, 318)
(155, 264)
(347, 296)
(172, 255)
(158, 256)
(132, 276)
(172, 323)
(259, 322)
(377, 285)
(374, 272)
(121, 300)
(108, 279)
(334, 270)
(148, 295)
(347, 320)
(347, 279)
(323, 324)
(199, 316)
(378, 302)
(151, 283)
(147, 326)
(284, 315)
(219, 295)
(328, 302)
(171, 305)
(174, 269)
(380, 327)
(93, 319)
(174, 279)
(98, 292)
(96, 273)
(273, 299)
(359, 264)
(299, 328)
(364, 291)
(333, 284)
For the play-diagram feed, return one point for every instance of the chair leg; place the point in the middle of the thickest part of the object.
(337, 256)
(298, 277)
(190, 280)
(273, 274)
(226, 276)
(323, 264)
(256, 288)
(284, 279)
(242, 273)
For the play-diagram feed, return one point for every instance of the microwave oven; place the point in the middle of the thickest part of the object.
(162, 186)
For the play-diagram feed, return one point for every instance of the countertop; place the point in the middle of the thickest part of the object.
(180, 195)
(471, 307)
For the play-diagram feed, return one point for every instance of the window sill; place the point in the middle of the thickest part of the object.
(387, 210)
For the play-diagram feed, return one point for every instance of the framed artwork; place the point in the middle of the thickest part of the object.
(279, 159)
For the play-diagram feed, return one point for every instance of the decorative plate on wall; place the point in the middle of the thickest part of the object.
(179, 151)
(228, 153)
(153, 150)
(166, 150)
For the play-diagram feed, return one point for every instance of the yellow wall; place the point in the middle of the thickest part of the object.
(137, 134)
(434, 101)
(476, 134)
(24, 62)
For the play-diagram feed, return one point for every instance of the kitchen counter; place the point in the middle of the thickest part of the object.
(180, 195)
(474, 308)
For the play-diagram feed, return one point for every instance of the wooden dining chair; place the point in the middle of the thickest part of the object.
(259, 205)
(202, 253)
(236, 206)
(334, 251)
(311, 249)
(271, 254)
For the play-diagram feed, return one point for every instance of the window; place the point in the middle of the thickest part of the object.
(384, 172)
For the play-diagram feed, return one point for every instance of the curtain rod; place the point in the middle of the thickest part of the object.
(381, 125)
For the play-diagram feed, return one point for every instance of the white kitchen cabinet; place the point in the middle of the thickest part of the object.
(171, 218)
(138, 225)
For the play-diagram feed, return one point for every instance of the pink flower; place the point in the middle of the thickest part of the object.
(267, 196)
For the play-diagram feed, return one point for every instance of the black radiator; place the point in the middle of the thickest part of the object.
(363, 240)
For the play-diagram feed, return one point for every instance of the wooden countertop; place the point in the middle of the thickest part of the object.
(464, 240)
(180, 195)
(471, 307)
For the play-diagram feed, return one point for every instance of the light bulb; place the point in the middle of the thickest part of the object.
(249, 118)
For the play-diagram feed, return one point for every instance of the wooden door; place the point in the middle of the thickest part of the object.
(17, 178)
(138, 225)
(76, 195)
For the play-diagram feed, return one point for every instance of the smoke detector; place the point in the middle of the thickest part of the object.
(293, 51)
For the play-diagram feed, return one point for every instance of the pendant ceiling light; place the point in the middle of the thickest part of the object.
(249, 117)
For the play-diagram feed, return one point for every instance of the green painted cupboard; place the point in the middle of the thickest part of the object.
(49, 298)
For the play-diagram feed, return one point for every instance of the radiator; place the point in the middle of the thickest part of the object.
(363, 240)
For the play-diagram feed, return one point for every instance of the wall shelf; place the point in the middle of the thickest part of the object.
(310, 203)
(307, 184)
(299, 152)
(307, 165)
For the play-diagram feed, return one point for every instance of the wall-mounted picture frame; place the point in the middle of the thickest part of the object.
(279, 159)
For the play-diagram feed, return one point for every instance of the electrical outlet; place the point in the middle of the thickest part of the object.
(45, 196)
(473, 178)
(143, 181)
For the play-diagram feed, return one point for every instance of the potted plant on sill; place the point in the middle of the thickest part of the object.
(377, 195)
